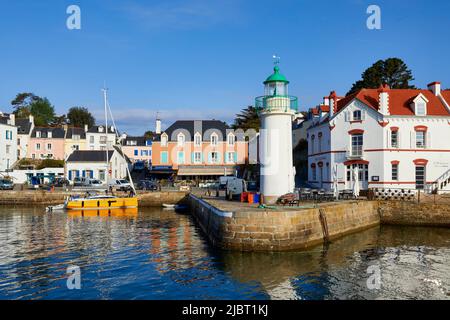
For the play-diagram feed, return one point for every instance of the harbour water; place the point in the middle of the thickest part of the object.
(158, 254)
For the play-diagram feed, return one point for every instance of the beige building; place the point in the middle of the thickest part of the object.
(75, 140)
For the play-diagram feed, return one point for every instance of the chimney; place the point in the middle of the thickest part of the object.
(326, 101)
(332, 99)
(383, 92)
(435, 87)
(158, 126)
(31, 118)
(86, 128)
(12, 119)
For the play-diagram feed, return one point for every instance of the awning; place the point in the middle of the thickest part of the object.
(206, 170)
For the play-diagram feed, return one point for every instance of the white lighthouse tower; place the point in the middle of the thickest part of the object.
(276, 110)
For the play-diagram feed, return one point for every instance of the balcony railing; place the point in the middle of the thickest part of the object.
(276, 103)
(355, 153)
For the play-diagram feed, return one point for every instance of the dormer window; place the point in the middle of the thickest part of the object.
(419, 105)
(197, 140)
(38, 134)
(164, 140)
(214, 139)
(181, 139)
(49, 134)
(231, 139)
(100, 129)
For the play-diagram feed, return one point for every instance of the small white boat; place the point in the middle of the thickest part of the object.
(59, 207)
(174, 206)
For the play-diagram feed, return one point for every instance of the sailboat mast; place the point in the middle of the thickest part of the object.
(106, 125)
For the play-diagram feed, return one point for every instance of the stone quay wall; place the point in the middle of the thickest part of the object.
(44, 198)
(280, 230)
(415, 214)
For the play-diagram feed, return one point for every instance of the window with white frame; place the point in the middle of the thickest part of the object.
(230, 157)
(49, 146)
(231, 139)
(181, 139)
(420, 139)
(91, 139)
(49, 134)
(214, 157)
(197, 157)
(357, 116)
(357, 145)
(38, 134)
(38, 146)
(394, 172)
(394, 139)
(164, 140)
(76, 137)
(197, 139)
(421, 108)
(214, 139)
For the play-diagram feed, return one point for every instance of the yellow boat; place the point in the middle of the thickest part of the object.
(117, 213)
(101, 202)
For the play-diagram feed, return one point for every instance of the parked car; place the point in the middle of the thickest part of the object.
(147, 185)
(6, 184)
(119, 184)
(94, 183)
(79, 182)
(60, 182)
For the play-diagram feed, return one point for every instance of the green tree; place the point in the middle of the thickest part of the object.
(22, 102)
(149, 134)
(247, 119)
(80, 116)
(392, 71)
(43, 112)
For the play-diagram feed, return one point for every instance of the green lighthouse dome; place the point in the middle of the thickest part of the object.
(276, 77)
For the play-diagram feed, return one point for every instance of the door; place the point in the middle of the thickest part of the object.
(420, 177)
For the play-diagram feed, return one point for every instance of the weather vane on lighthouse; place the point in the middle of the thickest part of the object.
(276, 59)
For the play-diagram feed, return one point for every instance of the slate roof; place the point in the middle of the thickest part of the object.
(94, 129)
(57, 133)
(140, 141)
(89, 156)
(23, 126)
(191, 125)
(75, 131)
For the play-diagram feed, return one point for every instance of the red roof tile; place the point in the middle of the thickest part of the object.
(399, 101)
(446, 95)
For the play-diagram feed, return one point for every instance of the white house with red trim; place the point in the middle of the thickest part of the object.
(398, 138)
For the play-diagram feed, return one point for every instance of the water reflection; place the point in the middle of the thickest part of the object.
(157, 254)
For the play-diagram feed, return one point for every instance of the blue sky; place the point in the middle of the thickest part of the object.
(203, 59)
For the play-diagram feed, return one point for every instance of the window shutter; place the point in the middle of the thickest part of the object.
(83, 173)
(389, 139)
(70, 175)
(399, 139)
(209, 157)
(192, 157)
(218, 157)
(235, 157)
(347, 116)
(428, 140)
(363, 115)
(413, 140)
(78, 173)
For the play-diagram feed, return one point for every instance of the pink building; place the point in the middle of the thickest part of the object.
(47, 143)
(138, 149)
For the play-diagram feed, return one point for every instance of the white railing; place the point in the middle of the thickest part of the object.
(441, 184)
(354, 153)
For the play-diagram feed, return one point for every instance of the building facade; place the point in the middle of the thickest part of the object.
(200, 149)
(47, 143)
(93, 164)
(24, 129)
(138, 149)
(395, 137)
(8, 141)
(98, 139)
(75, 139)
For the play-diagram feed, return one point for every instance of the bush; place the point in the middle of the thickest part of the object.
(50, 163)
